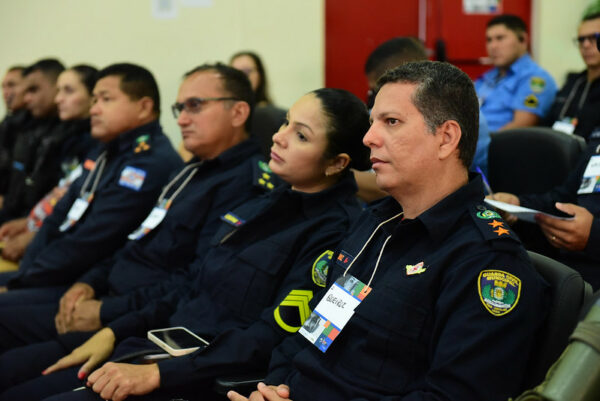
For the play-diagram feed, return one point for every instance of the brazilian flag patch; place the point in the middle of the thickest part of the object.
(499, 291)
(320, 268)
(293, 310)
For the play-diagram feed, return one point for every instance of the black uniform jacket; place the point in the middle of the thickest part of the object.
(121, 200)
(254, 285)
(452, 314)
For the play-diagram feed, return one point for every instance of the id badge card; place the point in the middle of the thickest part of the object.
(565, 126)
(590, 183)
(155, 217)
(334, 311)
(77, 210)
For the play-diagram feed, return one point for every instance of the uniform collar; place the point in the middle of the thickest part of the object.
(241, 151)
(315, 204)
(516, 66)
(442, 217)
(127, 140)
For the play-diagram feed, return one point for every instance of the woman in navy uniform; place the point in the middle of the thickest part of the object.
(252, 287)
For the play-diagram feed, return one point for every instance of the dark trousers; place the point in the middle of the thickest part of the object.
(23, 366)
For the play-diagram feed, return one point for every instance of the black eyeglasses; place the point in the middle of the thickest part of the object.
(593, 38)
(193, 105)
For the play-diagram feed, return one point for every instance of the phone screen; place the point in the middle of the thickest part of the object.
(178, 339)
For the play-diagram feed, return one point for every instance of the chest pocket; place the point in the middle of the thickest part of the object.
(252, 280)
(393, 350)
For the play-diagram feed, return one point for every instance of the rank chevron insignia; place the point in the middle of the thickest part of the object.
(293, 310)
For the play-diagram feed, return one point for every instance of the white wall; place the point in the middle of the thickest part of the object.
(287, 34)
(554, 26)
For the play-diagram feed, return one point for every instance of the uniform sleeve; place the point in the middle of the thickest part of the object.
(473, 352)
(97, 276)
(250, 348)
(592, 248)
(535, 94)
(104, 227)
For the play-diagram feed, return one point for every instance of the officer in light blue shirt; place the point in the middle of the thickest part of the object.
(516, 92)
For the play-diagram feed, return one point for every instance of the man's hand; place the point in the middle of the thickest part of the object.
(14, 247)
(117, 381)
(506, 198)
(571, 235)
(264, 393)
(85, 316)
(78, 292)
(94, 351)
(13, 227)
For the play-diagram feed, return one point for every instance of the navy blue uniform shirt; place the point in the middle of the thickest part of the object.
(254, 286)
(119, 205)
(218, 186)
(432, 332)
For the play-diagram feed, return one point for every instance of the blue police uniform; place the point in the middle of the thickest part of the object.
(587, 262)
(452, 312)
(525, 87)
(483, 144)
(251, 289)
(197, 197)
(137, 164)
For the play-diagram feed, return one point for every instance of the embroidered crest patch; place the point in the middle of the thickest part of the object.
(499, 291)
(537, 84)
(531, 101)
(264, 166)
(132, 177)
(320, 268)
(488, 214)
(142, 143)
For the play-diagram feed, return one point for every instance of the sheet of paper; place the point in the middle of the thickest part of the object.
(523, 213)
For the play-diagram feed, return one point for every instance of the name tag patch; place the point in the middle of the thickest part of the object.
(590, 183)
(132, 177)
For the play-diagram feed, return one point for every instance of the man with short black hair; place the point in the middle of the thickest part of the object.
(35, 143)
(516, 92)
(16, 118)
(121, 179)
(434, 276)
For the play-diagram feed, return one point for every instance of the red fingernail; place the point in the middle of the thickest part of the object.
(43, 372)
(81, 375)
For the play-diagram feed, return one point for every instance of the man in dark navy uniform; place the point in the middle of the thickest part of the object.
(119, 185)
(445, 304)
(227, 171)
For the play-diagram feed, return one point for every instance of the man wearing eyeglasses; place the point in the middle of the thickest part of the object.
(516, 92)
(213, 108)
(575, 109)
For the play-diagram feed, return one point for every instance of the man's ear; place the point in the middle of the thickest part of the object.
(240, 111)
(450, 134)
(146, 108)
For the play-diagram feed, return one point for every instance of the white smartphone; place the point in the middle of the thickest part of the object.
(177, 341)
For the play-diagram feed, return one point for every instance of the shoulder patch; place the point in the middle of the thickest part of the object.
(320, 268)
(490, 223)
(531, 101)
(537, 84)
(141, 143)
(499, 291)
(132, 177)
(263, 176)
(291, 313)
